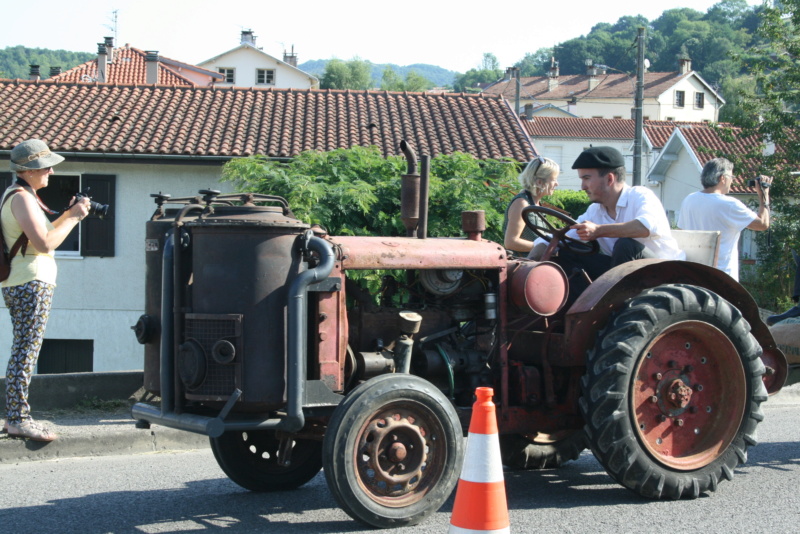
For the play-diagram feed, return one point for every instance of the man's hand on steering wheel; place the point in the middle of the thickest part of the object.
(535, 218)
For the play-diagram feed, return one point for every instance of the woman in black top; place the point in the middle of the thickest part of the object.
(539, 179)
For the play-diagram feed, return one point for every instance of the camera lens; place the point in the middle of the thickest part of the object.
(95, 208)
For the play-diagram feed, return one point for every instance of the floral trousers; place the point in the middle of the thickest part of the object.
(29, 306)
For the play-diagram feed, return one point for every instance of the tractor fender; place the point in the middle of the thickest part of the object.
(590, 312)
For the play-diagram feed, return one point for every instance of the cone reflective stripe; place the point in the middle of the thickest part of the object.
(480, 505)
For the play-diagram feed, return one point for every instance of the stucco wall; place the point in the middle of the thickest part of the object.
(246, 60)
(101, 298)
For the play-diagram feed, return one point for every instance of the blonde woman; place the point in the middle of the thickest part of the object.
(538, 180)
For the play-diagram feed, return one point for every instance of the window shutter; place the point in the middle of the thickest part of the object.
(5, 179)
(97, 235)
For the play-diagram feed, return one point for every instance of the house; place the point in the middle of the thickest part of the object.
(676, 172)
(130, 66)
(249, 66)
(668, 96)
(126, 142)
(562, 139)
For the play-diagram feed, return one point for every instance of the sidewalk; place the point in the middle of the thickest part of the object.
(96, 433)
(108, 432)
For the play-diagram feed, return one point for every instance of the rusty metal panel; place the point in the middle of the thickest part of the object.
(358, 252)
(329, 329)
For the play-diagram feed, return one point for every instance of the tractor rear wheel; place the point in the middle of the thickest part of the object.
(540, 450)
(250, 458)
(672, 392)
(393, 451)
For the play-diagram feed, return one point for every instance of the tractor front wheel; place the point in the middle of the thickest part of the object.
(393, 451)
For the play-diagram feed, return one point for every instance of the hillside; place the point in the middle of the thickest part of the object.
(437, 75)
(15, 61)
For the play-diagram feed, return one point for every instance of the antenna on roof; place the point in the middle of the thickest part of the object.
(113, 25)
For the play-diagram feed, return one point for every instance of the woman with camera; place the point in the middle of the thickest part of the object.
(28, 291)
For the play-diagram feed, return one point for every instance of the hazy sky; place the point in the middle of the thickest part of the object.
(452, 35)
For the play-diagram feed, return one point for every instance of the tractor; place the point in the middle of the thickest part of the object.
(256, 334)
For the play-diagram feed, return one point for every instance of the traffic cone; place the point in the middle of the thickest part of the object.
(480, 504)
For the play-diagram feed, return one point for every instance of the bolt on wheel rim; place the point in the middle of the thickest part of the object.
(688, 395)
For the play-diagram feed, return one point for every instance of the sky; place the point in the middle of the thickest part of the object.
(452, 35)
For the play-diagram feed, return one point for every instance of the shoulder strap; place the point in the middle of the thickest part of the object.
(22, 240)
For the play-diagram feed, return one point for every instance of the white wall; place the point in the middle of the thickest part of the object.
(247, 59)
(101, 298)
(690, 86)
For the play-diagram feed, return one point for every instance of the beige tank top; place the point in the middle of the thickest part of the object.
(34, 265)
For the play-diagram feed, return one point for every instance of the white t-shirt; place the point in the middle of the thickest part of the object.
(641, 204)
(715, 211)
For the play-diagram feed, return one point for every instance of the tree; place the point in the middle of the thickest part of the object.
(536, 64)
(488, 72)
(391, 81)
(353, 74)
(770, 108)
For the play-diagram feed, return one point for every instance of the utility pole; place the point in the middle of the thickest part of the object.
(638, 102)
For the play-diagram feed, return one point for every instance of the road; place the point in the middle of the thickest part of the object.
(186, 491)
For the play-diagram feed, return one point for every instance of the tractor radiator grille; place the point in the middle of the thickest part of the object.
(220, 379)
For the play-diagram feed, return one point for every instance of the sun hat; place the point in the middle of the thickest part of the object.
(33, 154)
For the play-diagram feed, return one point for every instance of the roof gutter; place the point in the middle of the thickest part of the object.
(149, 158)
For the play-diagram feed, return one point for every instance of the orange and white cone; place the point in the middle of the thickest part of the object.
(480, 504)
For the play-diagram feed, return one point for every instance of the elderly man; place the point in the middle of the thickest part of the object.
(712, 209)
(627, 222)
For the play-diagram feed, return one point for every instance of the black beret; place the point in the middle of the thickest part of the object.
(599, 157)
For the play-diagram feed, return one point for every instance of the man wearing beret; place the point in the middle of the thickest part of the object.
(627, 222)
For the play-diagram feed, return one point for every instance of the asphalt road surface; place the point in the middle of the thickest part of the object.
(186, 492)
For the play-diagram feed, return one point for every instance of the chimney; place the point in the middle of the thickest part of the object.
(528, 111)
(290, 58)
(55, 71)
(102, 63)
(109, 42)
(151, 67)
(34, 73)
(248, 37)
(685, 65)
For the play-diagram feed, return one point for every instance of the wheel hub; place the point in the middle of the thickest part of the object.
(689, 375)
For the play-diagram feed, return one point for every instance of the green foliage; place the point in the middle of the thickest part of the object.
(353, 74)
(573, 202)
(769, 105)
(437, 76)
(15, 61)
(487, 72)
(391, 81)
(356, 191)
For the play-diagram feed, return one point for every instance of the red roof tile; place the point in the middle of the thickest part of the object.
(230, 122)
(577, 86)
(127, 68)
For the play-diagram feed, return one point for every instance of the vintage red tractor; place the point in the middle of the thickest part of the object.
(256, 335)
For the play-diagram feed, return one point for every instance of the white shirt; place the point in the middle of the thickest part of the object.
(641, 204)
(715, 211)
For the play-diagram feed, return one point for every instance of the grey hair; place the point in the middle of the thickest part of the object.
(714, 170)
(537, 173)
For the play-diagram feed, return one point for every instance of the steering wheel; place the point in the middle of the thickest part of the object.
(535, 219)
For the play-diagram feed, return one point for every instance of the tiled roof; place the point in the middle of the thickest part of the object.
(230, 122)
(128, 68)
(657, 131)
(577, 86)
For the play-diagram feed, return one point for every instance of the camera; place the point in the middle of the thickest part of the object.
(752, 183)
(95, 208)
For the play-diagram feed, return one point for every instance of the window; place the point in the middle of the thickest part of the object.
(228, 73)
(265, 76)
(66, 356)
(680, 99)
(699, 100)
(671, 119)
(93, 236)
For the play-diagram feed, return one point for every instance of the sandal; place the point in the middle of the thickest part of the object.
(31, 430)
